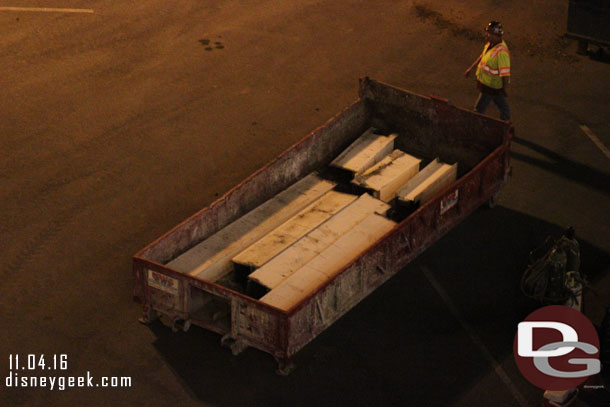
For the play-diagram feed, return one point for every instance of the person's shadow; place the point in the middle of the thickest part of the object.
(560, 165)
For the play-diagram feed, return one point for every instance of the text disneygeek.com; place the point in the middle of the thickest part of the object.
(23, 366)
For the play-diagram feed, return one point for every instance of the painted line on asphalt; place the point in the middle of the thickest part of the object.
(475, 338)
(596, 140)
(48, 10)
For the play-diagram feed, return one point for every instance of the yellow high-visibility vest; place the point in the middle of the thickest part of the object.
(494, 64)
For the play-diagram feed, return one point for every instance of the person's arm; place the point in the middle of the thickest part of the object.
(505, 84)
(504, 68)
(475, 63)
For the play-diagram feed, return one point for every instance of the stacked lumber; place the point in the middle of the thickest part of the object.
(428, 183)
(300, 239)
(211, 259)
(306, 280)
(366, 151)
(388, 175)
(286, 263)
(293, 229)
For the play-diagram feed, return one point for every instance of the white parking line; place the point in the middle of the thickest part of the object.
(519, 398)
(48, 10)
(596, 140)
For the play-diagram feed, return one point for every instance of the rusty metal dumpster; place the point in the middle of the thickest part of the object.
(427, 126)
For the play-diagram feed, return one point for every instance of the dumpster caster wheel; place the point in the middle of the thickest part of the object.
(226, 341)
(149, 316)
(237, 346)
(493, 201)
(187, 325)
(284, 366)
(181, 325)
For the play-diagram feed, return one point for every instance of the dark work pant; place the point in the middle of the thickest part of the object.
(499, 99)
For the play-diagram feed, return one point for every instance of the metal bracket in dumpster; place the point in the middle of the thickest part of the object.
(449, 201)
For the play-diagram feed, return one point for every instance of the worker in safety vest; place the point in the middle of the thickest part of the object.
(493, 72)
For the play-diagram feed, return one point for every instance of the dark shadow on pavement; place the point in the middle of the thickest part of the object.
(401, 345)
(566, 168)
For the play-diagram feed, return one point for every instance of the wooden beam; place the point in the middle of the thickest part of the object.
(296, 256)
(389, 174)
(367, 150)
(293, 229)
(419, 178)
(322, 268)
(211, 259)
(431, 181)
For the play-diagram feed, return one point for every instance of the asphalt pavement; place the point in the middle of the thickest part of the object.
(121, 119)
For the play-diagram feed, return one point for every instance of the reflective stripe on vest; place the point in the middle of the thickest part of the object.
(489, 69)
(497, 51)
(502, 71)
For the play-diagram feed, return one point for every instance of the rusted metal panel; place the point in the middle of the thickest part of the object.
(349, 286)
(339, 296)
(165, 292)
(255, 324)
(429, 126)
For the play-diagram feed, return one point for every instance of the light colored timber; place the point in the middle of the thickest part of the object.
(322, 268)
(426, 187)
(211, 259)
(367, 150)
(293, 229)
(419, 178)
(389, 174)
(294, 257)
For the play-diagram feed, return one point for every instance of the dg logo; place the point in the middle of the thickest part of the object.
(557, 348)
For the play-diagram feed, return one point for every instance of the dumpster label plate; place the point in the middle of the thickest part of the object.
(449, 201)
(162, 282)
